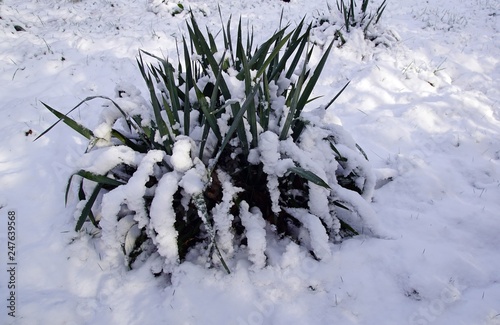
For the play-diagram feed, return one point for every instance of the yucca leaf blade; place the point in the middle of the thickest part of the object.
(87, 133)
(101, 179)
(87, 209)
(313, 79)
(205, 108)
(308, 175)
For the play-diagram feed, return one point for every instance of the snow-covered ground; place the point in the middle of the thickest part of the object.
(425, 107)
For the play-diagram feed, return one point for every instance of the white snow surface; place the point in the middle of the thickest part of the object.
(424, 105)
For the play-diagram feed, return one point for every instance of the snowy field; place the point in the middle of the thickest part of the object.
(424, 105)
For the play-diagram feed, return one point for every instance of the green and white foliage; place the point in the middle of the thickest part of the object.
(349, 16)
(221, 160)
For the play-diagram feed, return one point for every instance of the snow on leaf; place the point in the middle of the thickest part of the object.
(181, 154)
(163, 217)
(221, 213)
(100, 161)
(255, 232)
(135, 188)
(317, 232)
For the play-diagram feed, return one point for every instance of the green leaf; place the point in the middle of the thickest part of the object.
(68, 187)
(340, 157)
(203, 49)
(129, 143)
(293, 100)
(362, 151)
(205, 108)
(266, 105)
(310, 176)
(101, 179)
(160, 123)
(273, 54)
(312, 81)
(237, 119)
(294, 42)
(258, 59)
(171, 118)
(251, 114)
(337, 96)
(87, 209)
(226, 33)
(172, 90)
(68, 121)
(364, 6)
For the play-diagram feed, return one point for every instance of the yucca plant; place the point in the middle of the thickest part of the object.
(222, 157)
(348, 15)
(362, 18)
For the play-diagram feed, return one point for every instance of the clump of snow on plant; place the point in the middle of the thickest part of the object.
(255, 232)
(222, 215)
(163, 217)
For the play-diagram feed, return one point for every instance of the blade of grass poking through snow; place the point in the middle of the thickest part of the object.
(68, 187)
(68, 121)
(87, 209)
(351, 9)
(310, 176)
(214, 98)
(362, 151)
(171, 108)
(380, 11)
(337, 96)
(274, 61)
(377, 16)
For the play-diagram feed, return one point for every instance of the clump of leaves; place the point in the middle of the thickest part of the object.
(222, 156)
(363, 18)
(349, 15)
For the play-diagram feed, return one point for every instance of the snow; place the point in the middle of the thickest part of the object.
(181, 154)
(255, 233)
(317, 236)
(195, 179)
(163, 217)
(423, 104)
(222, 216)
